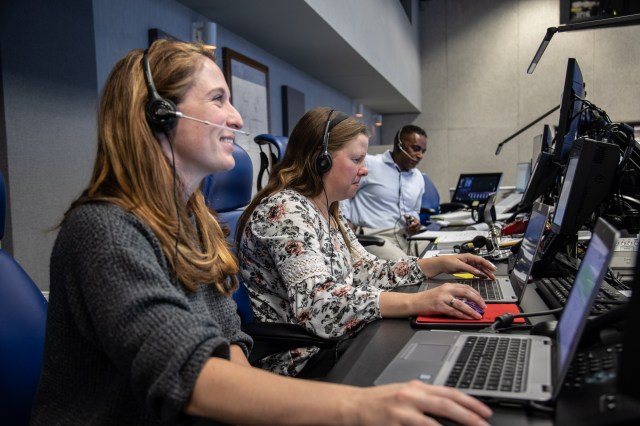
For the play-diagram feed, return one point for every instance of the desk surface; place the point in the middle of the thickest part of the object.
(378, 342)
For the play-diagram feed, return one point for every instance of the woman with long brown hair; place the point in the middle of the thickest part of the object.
(302, 264)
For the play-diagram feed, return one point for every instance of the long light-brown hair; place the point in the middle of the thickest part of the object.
(132, 171)
(297, 168)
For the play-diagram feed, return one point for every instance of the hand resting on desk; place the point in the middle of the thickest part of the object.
(444, 299)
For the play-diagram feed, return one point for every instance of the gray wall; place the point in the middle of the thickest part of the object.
(49, 98)
(476, 91)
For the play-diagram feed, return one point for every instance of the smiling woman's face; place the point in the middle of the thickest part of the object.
(200, 149)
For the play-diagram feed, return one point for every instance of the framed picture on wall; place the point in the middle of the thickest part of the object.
(248, 81)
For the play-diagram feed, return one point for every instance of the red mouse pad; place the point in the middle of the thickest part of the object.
(491, 312)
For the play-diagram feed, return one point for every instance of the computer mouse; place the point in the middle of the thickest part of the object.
(544, 328)
(472, 305)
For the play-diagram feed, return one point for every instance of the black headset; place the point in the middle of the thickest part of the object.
(161, 112)
(399, 142)
(474, 245)
(323, 160)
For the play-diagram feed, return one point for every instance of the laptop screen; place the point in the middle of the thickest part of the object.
(530, 244)
(476, 187)
(583, 292)
(523, 173)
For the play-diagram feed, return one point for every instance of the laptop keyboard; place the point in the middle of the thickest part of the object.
(593, 366)
(488, 289)
(491, 363)
(554, 292)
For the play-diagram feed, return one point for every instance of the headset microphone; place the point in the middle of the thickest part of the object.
(208, 123)
(164, 112)
(406, 153)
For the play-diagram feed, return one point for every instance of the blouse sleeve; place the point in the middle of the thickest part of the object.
(384, 274)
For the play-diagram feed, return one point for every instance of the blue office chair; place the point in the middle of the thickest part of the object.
(430, 200)
(276, 146)
(228, 193)
(23, 316)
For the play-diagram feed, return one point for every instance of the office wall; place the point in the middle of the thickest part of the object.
(476, 92)
(49, 98)
(381, 33)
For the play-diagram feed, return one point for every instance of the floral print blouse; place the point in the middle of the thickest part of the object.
(298, 270)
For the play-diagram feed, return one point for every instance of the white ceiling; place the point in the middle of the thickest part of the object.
(294, 32)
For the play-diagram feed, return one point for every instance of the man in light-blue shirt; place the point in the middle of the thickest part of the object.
(388, 201)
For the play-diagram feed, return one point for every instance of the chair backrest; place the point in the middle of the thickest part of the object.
(276, 146)
(430, 199)
(228, 193)
(23, 316)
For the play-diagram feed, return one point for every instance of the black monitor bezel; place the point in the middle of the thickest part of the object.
(570, 107)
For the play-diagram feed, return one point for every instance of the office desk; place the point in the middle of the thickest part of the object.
(376, 345)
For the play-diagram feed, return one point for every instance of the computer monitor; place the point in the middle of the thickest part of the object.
(570, 112)
(587, 182)
(523, 173)
(542, 142)
(476, 187)
(545, 172)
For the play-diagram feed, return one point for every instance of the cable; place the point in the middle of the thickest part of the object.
(175, 203)
(326, 197)
(506, 320)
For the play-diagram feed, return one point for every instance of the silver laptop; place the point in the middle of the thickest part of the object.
(509, 289)
(537, 364)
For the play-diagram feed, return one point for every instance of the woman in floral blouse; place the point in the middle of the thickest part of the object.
(301, 262)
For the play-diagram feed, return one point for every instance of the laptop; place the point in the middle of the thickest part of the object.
(509, 289)
(475, 187)
(538, 363)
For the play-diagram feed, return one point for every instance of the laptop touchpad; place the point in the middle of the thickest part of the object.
(428, 352)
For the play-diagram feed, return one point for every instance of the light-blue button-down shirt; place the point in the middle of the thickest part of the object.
(385, 194)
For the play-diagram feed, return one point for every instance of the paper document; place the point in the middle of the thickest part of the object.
(451, 237)
(452, 216)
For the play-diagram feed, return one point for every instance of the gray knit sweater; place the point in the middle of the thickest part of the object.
(124, 344)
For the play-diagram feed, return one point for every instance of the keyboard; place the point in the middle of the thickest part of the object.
(490, 363)
(488, 289)
(554, 291)
(593, 366)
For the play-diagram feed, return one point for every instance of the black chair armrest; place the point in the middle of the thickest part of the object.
(370, 240)
(427, 210)
(451, 207)
(271, 338)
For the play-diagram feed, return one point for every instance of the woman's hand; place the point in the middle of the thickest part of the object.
(407, 404)
(445, 300)
(452, 264)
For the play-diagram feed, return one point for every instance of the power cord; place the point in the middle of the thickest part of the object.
(504, 321)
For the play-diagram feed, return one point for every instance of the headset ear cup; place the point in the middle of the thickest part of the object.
(161, 114)
(323, 163)
(468, 247)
